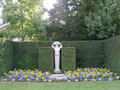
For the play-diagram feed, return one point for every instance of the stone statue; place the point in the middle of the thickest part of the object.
(57, 46)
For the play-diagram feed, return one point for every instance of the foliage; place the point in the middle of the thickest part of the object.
(88, 53)
(84, 20)
(24, 18)
(68, 58)
(105, 22)
(25, 55)
(112, 54)
(46, 62)
(5, 56)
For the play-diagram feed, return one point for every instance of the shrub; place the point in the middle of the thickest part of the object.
(5, 56)
(46, 62)
(68, 58)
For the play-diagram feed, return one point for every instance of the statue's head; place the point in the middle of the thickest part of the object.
(57, 44)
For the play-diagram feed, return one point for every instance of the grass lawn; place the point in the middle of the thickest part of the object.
(98, 85)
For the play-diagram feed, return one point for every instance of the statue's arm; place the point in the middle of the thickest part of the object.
(60, 45)
(52, 46)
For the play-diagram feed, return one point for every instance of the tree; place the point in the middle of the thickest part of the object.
(25, 18)
(68, 19)
(84, 19)
(104, 23)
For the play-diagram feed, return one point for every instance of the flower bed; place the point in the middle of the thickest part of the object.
(91, 74)
(29, 75)
(80, 74)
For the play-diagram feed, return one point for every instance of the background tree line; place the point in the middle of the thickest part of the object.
(69, 20)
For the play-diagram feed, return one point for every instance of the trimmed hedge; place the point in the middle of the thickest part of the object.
(25, 55)
(88, 53)
(6, 60)
(46, 62)
(112, 54)
(68, 58)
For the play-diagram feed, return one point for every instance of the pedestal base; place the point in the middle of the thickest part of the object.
(58, 77)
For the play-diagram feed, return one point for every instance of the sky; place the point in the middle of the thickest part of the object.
(48, 4)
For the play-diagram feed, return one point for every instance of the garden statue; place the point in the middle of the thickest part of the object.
(57, 46)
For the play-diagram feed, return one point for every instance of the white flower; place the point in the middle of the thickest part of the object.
(50, 80)
(94, 79)
(117, 77)
(76, 80)
(110, 79)
(13, 79)
(69, 80)
(85, 79)
(28, 80)
(100, 79)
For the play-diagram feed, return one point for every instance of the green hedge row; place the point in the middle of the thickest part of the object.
(25, 55)
(112, 54)
(6, 60)
(88, 53)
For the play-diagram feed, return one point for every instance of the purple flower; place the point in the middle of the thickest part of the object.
(32, 78)
(54, 78)
(97, 78)
(73, 79)
(22, 79)
(47, 78)
(17, 78)
(89, 78)
(40, 79)
(105, 77)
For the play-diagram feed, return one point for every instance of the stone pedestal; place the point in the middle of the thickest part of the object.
(58, 77)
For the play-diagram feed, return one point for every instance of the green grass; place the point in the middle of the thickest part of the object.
(98, 85)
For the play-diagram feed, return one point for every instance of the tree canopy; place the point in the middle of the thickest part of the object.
(84, 19)
(25, 18)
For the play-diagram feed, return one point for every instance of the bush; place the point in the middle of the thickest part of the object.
(5, 56)
(46, 62)
(88, 53)
(112, 54)
(68, 58)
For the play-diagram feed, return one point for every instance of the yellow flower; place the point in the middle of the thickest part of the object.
(111, 72)
(69, 71)
(76, 72)
(11, 72)
(36, 76)
(98, 68)
(29, 70)
(42, 78)
(32, 72)
(5, 74)
(115, 74)
(16, 74)
(15, 69)
(72, 75)
(25, 76)
(78, 68)
(108, 70)
(107, 74)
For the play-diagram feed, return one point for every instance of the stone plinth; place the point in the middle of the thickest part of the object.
(58, 77)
